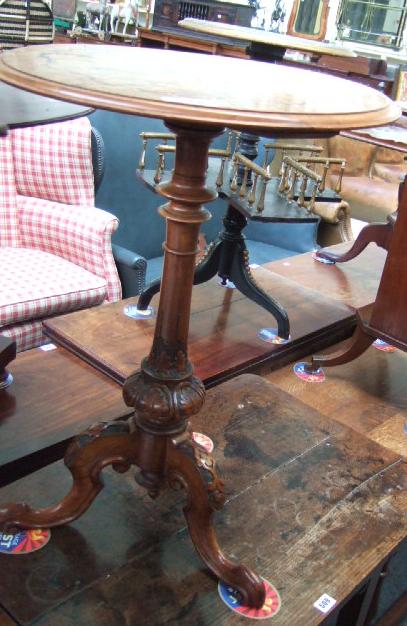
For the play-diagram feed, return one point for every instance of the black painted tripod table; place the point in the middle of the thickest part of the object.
(197, 96)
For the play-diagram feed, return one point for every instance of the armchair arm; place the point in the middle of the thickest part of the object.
(132, 270)
(335, 226)
(80, 234)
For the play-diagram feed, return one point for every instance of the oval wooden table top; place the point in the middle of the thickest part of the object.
(20, 108)
(257, 35)
(195, 88)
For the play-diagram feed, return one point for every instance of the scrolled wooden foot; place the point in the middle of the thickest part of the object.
(101, 445)
(379, 234)
(360, 342)
(190, 467)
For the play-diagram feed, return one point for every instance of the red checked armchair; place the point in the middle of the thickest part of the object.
(55, 246)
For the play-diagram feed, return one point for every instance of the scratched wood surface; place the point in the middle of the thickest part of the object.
(54, 395)
(5, 620)
(223, 328)
(118, 78)
(314, 506)
(354, 283)
(368, 394)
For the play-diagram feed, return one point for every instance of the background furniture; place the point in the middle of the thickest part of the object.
(22, 108)
(372, 176)
(142, 230)
(25, 23)
(167, 13)
(55, 244)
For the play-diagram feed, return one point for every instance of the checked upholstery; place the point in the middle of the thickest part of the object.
(55, 246)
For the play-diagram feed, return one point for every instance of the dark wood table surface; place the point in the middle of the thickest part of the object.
(54, 396)
(224, 324)
(19, 108)
(314, 505)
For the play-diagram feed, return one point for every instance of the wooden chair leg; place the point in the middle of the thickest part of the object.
(373, 233)
(360, 342)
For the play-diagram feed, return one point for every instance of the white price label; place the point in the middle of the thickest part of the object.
(324, 603)
(48, 346)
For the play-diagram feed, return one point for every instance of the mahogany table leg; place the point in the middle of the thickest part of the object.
(361, 340)
(192, 468)
(101, 445)
(373, 233)
(164, 393)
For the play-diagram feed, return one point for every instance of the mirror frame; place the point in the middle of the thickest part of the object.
(319, 36)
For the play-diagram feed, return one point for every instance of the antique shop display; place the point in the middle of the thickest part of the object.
(165, 393)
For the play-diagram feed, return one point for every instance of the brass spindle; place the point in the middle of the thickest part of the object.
(266, 157)
(233, 183)
(160, 167)
(281, 187)
(303, 187)
(243, 186)
(260, 204)
(219, 179)
(338, 186)
(252, 195)
(291, 191)
(142, 162)
(311, 204)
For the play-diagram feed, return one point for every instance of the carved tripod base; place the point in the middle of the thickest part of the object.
(186, 465)
(228, 258)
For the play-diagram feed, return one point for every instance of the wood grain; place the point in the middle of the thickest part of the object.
(367, 394)
(119, 78)
(314, 506)
(258, 35)
(223, 329)
(54, 396)
(354, 283)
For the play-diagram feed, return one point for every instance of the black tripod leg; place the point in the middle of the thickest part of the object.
(208, 267)
(241, 276)
(146, 295)
(204, 271)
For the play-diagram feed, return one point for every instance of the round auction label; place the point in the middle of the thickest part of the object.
(233, 599)
(310, 377)
(23, 541)
(270, 336)
(204, 441)
(383, 346)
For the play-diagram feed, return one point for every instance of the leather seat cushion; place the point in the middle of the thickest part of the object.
(370, 199)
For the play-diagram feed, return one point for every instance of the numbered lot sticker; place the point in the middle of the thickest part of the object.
(233, 599)
(324, 603)
(23, 541)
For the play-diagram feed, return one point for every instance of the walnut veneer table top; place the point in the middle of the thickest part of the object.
(198, 88)
(257, 35)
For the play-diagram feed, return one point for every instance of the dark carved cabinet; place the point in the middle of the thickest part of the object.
(167, 13)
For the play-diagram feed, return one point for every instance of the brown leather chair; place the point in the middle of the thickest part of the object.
(371, 180)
